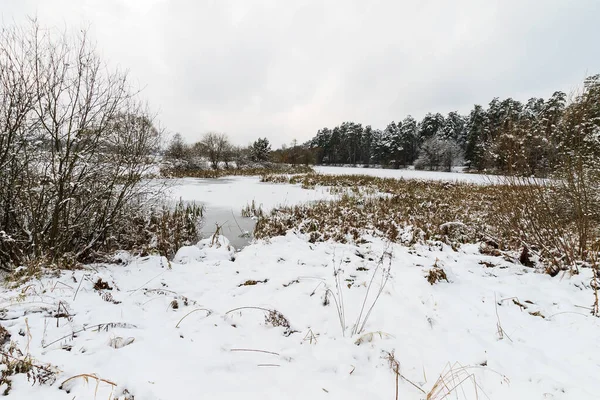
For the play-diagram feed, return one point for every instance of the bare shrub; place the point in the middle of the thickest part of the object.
(74, 150)
(437, 152)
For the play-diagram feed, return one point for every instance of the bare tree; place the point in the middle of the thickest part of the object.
(228, 154)
(74, 148)
(177, 149)
(213, 145)
(241, 156)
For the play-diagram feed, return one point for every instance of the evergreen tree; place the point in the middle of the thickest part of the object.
(431, 125)
(366, 147)
(353, 139)
(409, 133)
(322, 144)
(260, 150)
(455, 128)
(476, 131)
(391, 145)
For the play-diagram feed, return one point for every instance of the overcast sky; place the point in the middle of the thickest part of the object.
(284, 69)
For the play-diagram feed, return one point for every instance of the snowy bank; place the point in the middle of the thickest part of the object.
(159, 330)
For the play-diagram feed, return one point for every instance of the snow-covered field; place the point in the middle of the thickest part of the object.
(408, 174)
(130, 334)
(156, 330)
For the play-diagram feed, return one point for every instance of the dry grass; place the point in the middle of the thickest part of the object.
(207, 311)
(394, 365)
(253, 210)
(66, 385)
(436, 274)
(13, 361)
(411, 212)
(272, 317)
(524, 217)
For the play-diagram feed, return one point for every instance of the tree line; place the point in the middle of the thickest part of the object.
(218, 149)
(507, 136)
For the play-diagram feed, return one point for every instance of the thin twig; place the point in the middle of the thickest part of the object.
(193, 311)
(249, 308)
(79, 286)
(256, 351)
(141, 287)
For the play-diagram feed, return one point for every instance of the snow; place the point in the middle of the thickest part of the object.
(408, 174)
(234, 193)
(225, 354)
(504, 331)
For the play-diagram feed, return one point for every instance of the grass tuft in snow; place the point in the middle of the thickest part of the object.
(436, 274)
(272, 317)
(69, 382)
(14, 362)
(252, 210)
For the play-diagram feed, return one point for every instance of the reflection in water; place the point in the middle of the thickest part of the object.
(233, 226)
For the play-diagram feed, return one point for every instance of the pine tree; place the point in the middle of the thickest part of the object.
(431, 125)
(409, 133)
(476, 131)
(366, 147)
(322, 144)
(260, 150)
(455, 128)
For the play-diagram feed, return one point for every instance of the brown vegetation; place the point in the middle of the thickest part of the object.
(509, 216)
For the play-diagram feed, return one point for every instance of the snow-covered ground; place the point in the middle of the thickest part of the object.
(130, 334)
(161, 330)
(408, 174)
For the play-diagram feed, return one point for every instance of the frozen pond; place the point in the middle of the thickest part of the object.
(224, 199)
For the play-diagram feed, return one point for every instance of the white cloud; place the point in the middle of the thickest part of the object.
(284, 69)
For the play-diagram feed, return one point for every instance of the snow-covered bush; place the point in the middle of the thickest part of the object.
(437, 152)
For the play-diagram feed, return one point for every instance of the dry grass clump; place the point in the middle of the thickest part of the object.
(272, 317)
(13, 362)
(436, 274)
(67, 384)
(252, 210)
(457, 378)
(252, 282)
(163, 230)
